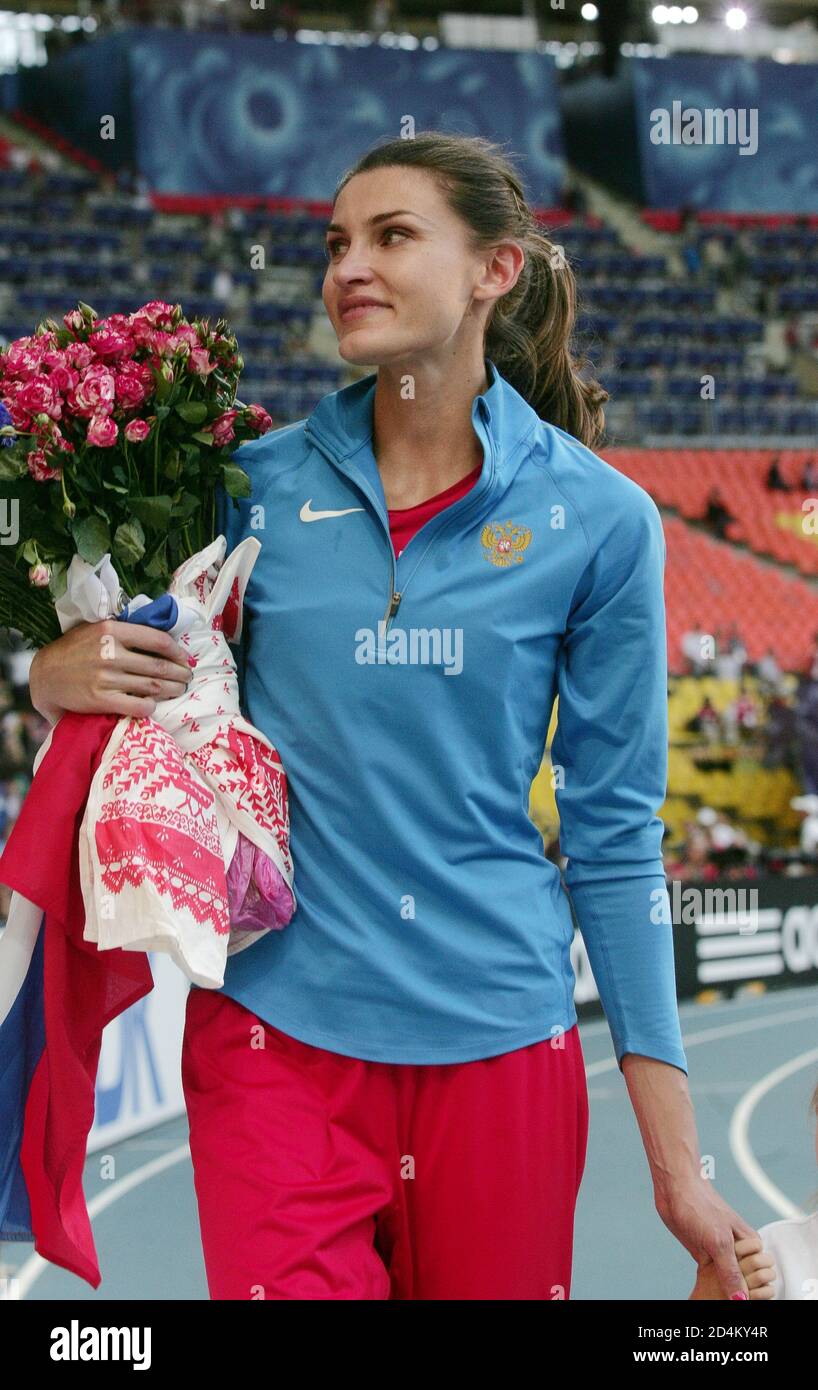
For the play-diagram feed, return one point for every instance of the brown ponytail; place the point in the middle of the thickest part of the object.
(528, 333)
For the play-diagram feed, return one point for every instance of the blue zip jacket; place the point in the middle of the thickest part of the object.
(410, 701)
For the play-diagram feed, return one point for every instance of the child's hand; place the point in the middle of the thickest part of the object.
(757, 1267)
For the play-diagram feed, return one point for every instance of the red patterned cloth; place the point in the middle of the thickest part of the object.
(173, 794)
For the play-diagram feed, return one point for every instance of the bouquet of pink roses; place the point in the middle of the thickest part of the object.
(116, 433)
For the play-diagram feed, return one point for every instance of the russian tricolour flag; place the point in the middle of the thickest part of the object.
(57, 993)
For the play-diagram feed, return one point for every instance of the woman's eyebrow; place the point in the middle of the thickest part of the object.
(380, 217)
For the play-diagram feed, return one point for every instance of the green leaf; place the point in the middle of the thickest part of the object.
(172, 466)
(129, 541)
(163, 387)
(162, 412)
(188, 505)
(115, 487)
(203, 437)
(153, 511)
(194, 412)
(29, 552)
(92, 538)
(58, 582)
(158, 561)
(12, 466)
(236, 481)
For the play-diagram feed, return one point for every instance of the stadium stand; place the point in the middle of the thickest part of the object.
(654, 327)
(768, 497)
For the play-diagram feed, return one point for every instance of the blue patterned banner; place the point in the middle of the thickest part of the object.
(236, 114)
(727, 133)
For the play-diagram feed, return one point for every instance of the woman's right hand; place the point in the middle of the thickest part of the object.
(108, 667)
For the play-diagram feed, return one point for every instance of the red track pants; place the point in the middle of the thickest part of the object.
(320, 1176)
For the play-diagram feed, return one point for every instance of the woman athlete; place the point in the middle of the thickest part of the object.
(387, 1098)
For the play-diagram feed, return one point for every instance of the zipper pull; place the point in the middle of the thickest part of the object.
(395, 604)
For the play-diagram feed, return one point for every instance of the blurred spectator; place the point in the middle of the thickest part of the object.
(742, 716)
(723, 834)
(806, 725)
(775, 479)
(714, 255)
(692, 259)
(741, 255)
(693, 859)
(222, 285)
(22, 731)
(746, 710)
(688, 216)
(381, 16)
(693, 648)
(706, 722)
(717, 516)
(714, 848)
(236, 221)
(731, 656)
(809, 481)
(142, 275)
(808, 806)
(573, 197)
(808, 836)
(17, 657)
(12, 791)
(214, 250)
(728, 844)
(779, 734)
(769, 671)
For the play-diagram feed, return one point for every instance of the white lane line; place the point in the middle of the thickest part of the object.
(692, 1008)
(740, 1131)
(722, 1030)
(35, 1264)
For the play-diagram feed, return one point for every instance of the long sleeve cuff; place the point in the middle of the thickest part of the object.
(628, 934)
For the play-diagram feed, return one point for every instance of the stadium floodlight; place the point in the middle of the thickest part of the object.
(674, 14)
(659, 14)
(690, 14)
(735, 18)
(589, 12)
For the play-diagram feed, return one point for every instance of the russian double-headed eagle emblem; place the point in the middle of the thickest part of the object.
(504, 543)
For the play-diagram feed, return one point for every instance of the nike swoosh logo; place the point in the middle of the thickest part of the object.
(307, 514)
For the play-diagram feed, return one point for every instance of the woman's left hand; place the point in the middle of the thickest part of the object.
(707, 1227)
